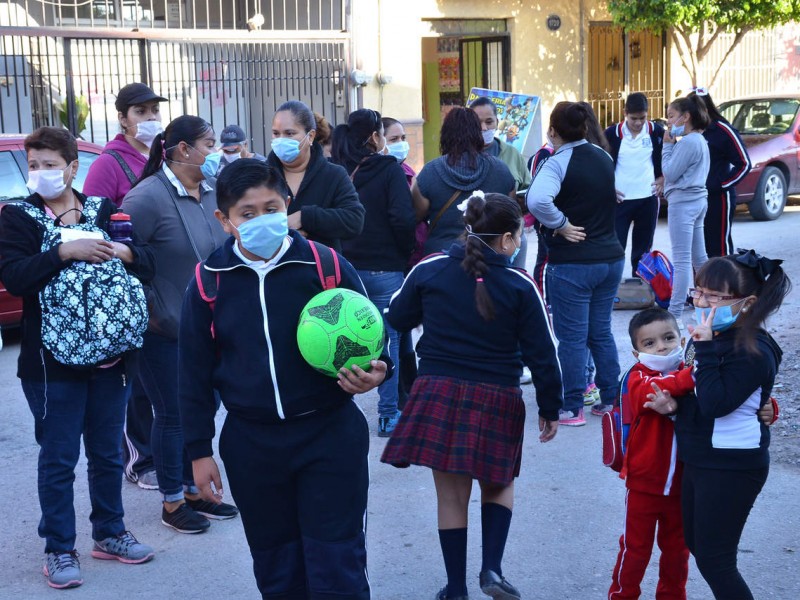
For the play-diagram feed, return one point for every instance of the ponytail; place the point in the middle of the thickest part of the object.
(186, 128)
(486, 217)
(696, 107)
(743, 275)
(350, 141)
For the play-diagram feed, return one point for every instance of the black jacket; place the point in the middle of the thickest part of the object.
(729, 159)
(252, 359)
(387, 240)
(717, 427)
(656, 133)
(457, 342)
(25, 270)
(331, 210)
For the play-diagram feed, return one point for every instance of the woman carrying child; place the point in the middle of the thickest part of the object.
(464, 419)
(724, 447)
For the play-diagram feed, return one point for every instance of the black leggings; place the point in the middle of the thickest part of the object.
(716, 504)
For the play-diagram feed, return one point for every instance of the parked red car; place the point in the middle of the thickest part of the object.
(770, 129)
(13, 175)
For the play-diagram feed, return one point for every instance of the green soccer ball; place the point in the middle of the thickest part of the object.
(339, 328)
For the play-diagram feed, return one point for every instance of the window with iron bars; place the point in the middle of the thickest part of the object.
(270, 15)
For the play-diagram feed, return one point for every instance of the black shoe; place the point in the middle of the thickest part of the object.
(442, 595)
(497, 587)
(184, 520)
(213, 511)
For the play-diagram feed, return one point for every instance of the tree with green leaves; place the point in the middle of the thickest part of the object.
(696, 25)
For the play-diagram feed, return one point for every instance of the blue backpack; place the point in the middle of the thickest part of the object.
(90, 312)
(656, 269)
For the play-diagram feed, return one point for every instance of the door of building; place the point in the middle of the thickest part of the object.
(622, 63)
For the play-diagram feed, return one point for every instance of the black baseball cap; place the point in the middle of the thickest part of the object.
(232, 135)
(135, 93)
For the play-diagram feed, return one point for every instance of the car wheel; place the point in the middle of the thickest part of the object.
(770, 198)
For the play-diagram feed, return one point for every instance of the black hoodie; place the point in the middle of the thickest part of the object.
(331, 210)
(387, 240)
(717, 427)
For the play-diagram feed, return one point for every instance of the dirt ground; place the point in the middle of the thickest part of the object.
(785, 443)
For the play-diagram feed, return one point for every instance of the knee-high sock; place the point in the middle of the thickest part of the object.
(454, 552)
(495, 521)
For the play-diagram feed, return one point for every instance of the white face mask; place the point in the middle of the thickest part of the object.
(48, 183)
(229, 158)
(662, 363)
(488, 136)
(146, 131)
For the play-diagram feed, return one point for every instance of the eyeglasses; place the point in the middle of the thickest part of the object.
(711, 298)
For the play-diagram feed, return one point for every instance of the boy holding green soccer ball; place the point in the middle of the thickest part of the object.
(294, 443)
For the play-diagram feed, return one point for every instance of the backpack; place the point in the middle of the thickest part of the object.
(615, 426)
(327, 269)
(654, 268)
(90, 312)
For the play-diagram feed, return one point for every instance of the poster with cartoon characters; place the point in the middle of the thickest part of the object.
(519, 118)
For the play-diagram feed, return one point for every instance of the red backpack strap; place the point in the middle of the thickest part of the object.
(327, 260)
(207, 285)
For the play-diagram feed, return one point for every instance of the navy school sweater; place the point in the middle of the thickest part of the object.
(253, 359)
(729, 159)
(457, 342)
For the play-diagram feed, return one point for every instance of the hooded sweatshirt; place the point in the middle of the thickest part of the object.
(106, 178)
(438, 180)
(388, 236)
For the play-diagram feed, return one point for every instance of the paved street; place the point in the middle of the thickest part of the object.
(563, 538)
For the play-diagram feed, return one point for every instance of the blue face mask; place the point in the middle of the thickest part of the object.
(399, 150)
(210, 165)
(514, 255)
(264, 235)
(286, 149)
(723, 317)
(677, 130)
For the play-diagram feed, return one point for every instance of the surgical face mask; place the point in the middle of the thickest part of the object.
(146, 131)
(48, 183)
(677, 130)
(229, 158)
(663, 363)
(488, 136)
(516, 251)
(723, 316)
(286, 149)
(264, 235)
(399, 150)
(210, 164)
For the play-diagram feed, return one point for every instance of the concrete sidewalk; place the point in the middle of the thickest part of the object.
(562, 545)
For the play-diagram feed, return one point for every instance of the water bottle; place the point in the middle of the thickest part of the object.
(120, 229)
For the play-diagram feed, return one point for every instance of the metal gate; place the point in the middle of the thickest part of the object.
(51, 79)
(484, 64)
(621, 63)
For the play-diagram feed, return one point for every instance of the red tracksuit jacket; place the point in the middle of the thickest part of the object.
(651, 463)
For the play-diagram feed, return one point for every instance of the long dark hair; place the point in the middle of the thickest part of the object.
(570, 120)
(350, 142)
(185, 128)
(696, 107)
(460, 135)
(487, 219)
(729, 275)
(302, 114)
(711, 108)
(594, 133)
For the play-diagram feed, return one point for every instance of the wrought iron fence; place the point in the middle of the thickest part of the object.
(45, 80)
(279, 15)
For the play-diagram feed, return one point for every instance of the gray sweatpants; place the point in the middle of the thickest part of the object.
(685, 224)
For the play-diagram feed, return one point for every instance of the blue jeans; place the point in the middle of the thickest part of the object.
(94, 407)
(380, 286)
(158, 374)
(581, 297)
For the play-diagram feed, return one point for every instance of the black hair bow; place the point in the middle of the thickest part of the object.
(763, 266)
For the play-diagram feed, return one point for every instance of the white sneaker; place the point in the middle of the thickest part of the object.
(526, 376)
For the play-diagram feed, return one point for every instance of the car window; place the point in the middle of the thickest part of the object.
(85, 160)
(12, 181)
(764, 117)
(733, 113)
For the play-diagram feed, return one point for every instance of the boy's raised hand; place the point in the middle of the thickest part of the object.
(206, 474)
(359, 381)
(661, 401)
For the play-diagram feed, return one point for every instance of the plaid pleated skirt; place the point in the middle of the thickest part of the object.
(462, 427)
